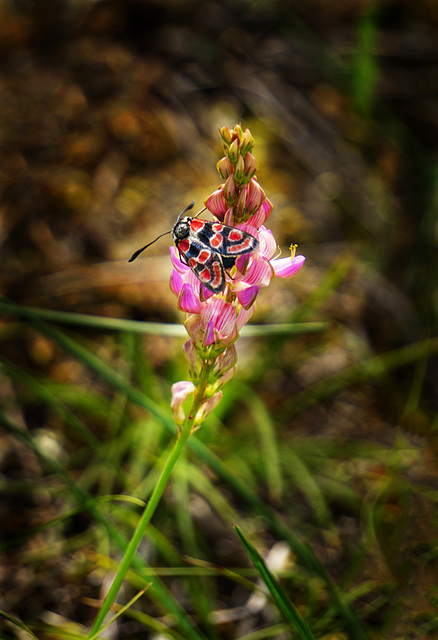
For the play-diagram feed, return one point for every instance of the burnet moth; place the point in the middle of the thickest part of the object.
(208, 248)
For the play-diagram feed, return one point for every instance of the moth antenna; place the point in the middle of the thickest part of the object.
(199, 212)
(137, 253)
(189, 206)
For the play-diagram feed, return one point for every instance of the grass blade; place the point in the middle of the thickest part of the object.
(279, 595)
(18, 624)
(103, 323)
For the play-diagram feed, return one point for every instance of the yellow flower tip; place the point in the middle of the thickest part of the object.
(293, 249)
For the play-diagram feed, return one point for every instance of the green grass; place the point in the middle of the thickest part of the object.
(99, 458)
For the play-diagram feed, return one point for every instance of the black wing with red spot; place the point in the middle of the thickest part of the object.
(211, 272)
(209, 248)
(226, 240)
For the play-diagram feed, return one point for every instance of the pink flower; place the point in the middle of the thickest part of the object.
(215, 320)
(219, 321)
(216, 204)
(287, 267)
(216, 323)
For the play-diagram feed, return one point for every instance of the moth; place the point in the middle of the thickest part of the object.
(208, 248)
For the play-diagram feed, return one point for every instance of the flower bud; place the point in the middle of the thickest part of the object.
(246, 142)
(189, 350)
(194, 328)
(207, 407)
(180, 393)
(241, 204)
(256, 196)
(250, 164)
(229, 217)
(225, 168)
(239, 170)
(227, 376)
(229, 190)
(226, 135)
(237, 131)
(233, 151)
(227, 359)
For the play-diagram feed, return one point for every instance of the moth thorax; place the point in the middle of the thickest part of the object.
(181, 229)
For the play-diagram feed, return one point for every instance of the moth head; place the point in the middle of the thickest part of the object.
(181, 229)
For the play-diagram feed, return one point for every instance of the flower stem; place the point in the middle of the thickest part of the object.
(183, 436)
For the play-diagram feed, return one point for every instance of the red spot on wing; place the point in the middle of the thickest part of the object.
(197, 225)
(217, 227)
(248, 244)
(183, 246)
(216, 240)
(217, 276)
(235, 235)
(204, 256)
(211, 275)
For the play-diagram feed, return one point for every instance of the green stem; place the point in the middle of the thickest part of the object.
(152, 504)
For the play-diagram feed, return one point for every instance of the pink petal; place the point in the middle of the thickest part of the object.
(255, 196)
(188, 300)
(204, 293)
(226, 320)
(176, 282)
(258, 218)
(268, 245)
(242, 263)
(247, 296)
(287, 267)
(267, 208)
(229, 189)
(209, 334)
(216, 204)
(249, 228)
(229, 217)
(180, 392)
(250, 164)
(244, 316)
(259, 272)
(179, 266)
(222, 313)
(190, 278)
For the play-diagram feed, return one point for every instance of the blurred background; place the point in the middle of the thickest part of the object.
(109, 118)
